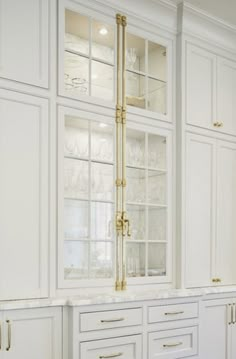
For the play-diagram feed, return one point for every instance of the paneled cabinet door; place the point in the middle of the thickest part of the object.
(216, 330)
(32, 334)
(226, 208)
(23, 196)
(24, 41)
(200, 204)
(226, 95)
(200, 87)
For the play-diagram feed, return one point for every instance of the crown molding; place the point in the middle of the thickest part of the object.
(195, 22)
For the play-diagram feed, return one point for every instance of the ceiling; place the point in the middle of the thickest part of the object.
(223, 9)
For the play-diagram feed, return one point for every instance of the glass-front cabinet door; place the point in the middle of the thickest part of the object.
(88, 58)
(86, 201)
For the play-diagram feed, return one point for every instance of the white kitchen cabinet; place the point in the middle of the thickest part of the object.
(86, 201)
(23, 196)
(226, 94)
(218, 333)
(200, 203)
(225, 212)
(24, 41)
(87, 61)
(31, 334)
(210, 201)
(200, 86)
(210, 92)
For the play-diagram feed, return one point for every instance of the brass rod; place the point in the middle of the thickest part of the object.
(124, 219)
(118, 158)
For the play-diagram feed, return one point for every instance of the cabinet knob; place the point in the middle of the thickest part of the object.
(216, 280)
(218, 124)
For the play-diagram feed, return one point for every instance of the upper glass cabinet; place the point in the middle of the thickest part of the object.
(88, 58)
(146, 74)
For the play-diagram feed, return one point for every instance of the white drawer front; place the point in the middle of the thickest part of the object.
(173, 344)
(110, 319)
(129, 347)
(165, 313)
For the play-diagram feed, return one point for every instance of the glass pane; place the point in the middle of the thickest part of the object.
(136, 215)
(102, 83)
(156, 259)
(75, 259)
(157, 187)
(135, 53)
(157, 96)
(76, 32)
(102, 181)
(135, 90)
(157, 224)
(76, 74)
(101, 142)
(75, 219)
(76, 137)
(135, 259)
(135, 185)
(135, 148)
(101, 258)
(102, 41)
(157, 61)
(157, 152)
(101, 221)
(75, 179)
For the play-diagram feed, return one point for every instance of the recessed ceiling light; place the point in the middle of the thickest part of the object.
(102, 125)
(103, 31)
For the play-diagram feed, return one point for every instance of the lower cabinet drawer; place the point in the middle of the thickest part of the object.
(165, 313)
(173, 344)
(129, 347)
(110, 319)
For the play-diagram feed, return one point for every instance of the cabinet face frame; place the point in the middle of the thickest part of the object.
(42, 205)
(134, 26)
(83, 283)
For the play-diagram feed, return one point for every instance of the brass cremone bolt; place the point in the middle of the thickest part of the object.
(124, 285)
(118, 285)
(124, 20)
(124, 116)
(118, 114)
(118, 19)
(119, 222)
(119, 182)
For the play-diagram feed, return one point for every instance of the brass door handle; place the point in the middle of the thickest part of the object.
(233, 313)
(112, 320)
(174, 313)
(8, 335)
(170, 345)
(229, 314)
(115, 355)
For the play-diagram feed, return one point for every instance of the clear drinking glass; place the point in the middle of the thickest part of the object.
(156, 259)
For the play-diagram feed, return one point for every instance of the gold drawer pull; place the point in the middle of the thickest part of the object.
(172, 345)
(112, 320)
(9, 335)
(115, 355)
(174, 313)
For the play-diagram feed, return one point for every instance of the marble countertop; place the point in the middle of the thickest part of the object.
(116, 297)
